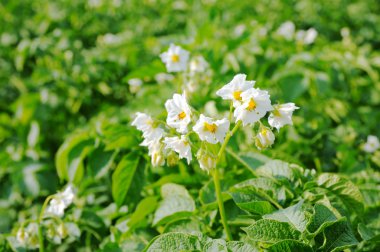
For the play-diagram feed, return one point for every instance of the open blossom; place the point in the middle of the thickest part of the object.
(265, 138)
(179, 145)
(28, 237)
(146, 124)
(210, 130)
(179, 113)
(282, 115)
(175, 58)
(61, 201)
(234, 89)
(372, 144)
(256, 103)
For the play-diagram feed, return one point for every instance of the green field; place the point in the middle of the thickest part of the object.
(205, 125)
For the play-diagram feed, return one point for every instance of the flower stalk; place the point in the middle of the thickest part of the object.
(216, 178)
(40, 218)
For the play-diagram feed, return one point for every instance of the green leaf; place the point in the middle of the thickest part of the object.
(187, 226)
(247, 198)
(290, 246)
(271, 231)
(344, 189)
(367, 234)
(322, 218)
(100, 162)
(215, 245)
(338, 237)
(281, 170)
(143, 209)
(122, 177)
(70, 156)
(238, 246)
(293, 215)
(174, 242)
(176, 204)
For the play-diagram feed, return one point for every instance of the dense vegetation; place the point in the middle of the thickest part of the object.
(73, 74)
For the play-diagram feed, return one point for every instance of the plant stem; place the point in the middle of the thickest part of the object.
(219, 197)
(40, 218)
(218, 190)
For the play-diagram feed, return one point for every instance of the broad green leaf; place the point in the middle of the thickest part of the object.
(281, 170)
(70, 156)
(290, 246)
(338, 237)
(247, 198)
(122, 177)
(238, 246)
(143, 209)
(321, 219)
(217, 245)
(367, 234)
(174, 242)
(271, 231)
(186, 226)
(176, 204)
(100, 162)
(344, 189)
(293, 215)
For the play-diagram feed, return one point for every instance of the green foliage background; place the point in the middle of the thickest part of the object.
(65, 112)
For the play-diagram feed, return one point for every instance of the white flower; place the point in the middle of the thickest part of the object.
(61, 201)
(372, 144)
(28, 237)
(206, 161)
(175, 58)
(265, 138)
(287, 30)
(198, 64)
(234, 89)
(156, 153)
(179, 113)
(179, 145)
(307, 37)
(210, 130)
(151, 131)
(135, 85)
(282, 115)
(256, 103)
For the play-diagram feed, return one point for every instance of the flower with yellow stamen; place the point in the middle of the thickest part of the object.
(234, 89)
(212, 131)
(175, 58)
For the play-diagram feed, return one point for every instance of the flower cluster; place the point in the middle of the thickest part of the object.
(372, 144)
(288, 31)
(171, 140)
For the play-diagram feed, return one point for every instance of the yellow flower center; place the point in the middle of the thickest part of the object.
(210, 127)
(181, 115)
(251, 105)
(276, 113)
(175, 58)
(237, 96)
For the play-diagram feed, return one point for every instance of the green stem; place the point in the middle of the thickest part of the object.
(40, 218)
(218, 190)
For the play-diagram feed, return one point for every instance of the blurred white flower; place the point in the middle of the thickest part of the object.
(135, 85)
(61, 201)
(234, 89)
(28, 237)
(179, 113)
(198, 64)
(307, 37)
(265, 138)
(175, 58)
(287, 30)
(179, 145)
(282, 115)
(210, 130)
(372, 144)
(256, 103)
(163, 77)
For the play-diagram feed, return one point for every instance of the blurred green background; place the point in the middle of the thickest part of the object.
(65, 66)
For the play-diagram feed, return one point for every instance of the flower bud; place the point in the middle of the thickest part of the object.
(158, 159)
(172, 159)
(265, 138)
(207, 161)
